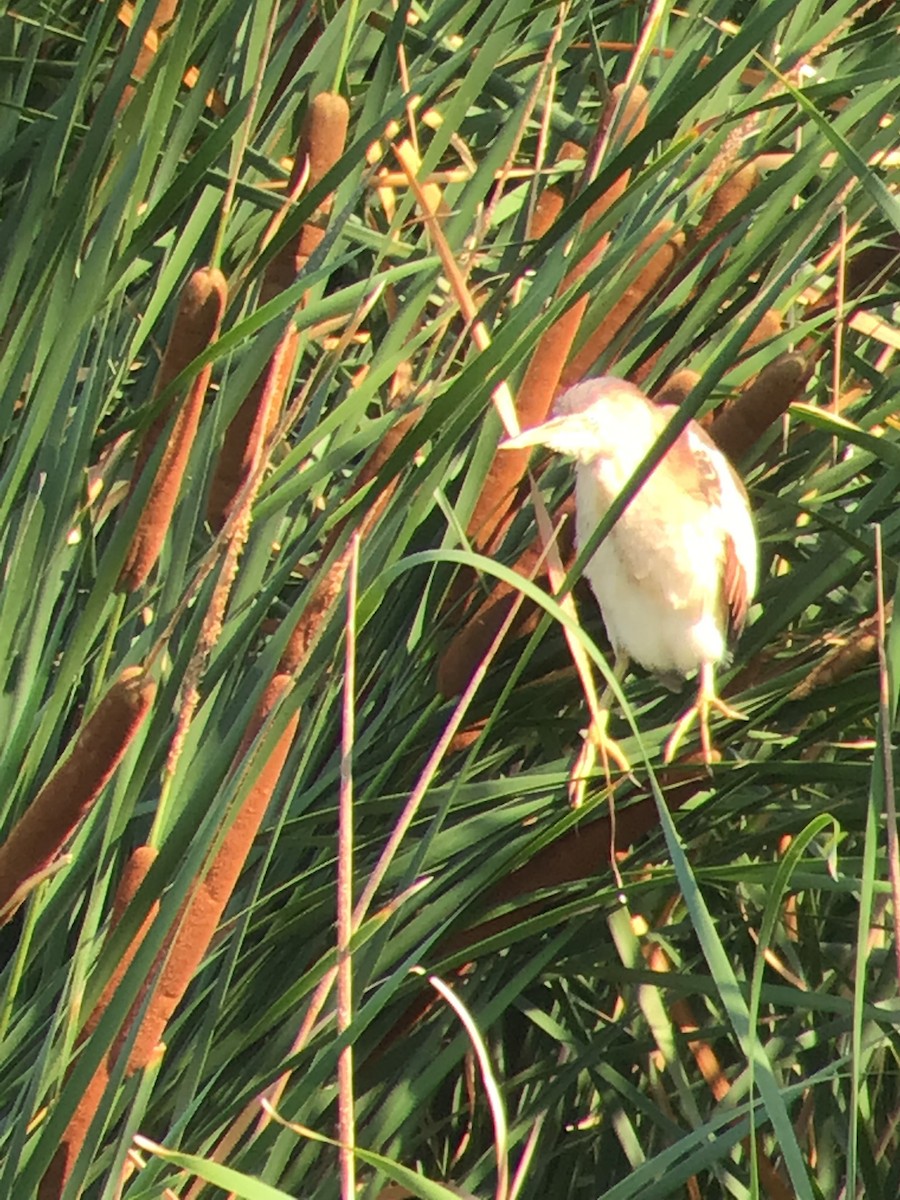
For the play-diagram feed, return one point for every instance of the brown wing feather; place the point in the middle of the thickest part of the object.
(734, 590)
(698, 467)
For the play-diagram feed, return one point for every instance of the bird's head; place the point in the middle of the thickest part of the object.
(592, 419)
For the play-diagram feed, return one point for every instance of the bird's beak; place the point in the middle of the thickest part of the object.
(538, 435)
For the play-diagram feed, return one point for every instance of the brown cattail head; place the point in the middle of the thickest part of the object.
(196, 327)
(322, 141)
(770, 325)
(669, 247)
(632, 120)
(545, 367)
(162, 18)
(178, 961)
(467, 649)
(69, 793)
(320, 146)
(204, 907)
(141, 860)
(738, 427)
(551, 201)
(726, 197)
(677, 387)
(251, 427)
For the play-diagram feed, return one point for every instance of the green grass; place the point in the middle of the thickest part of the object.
(103, 218)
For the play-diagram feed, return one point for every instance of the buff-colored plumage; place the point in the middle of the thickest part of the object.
(675, 575)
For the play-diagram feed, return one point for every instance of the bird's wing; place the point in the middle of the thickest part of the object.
(706, 474)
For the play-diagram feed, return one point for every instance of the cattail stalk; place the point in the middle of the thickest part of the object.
(320, 146)
(178, 960)
(57, 1174)
(68, 795)
(668, 249)
(739, 426)
(545, 367)
(196, 327)
(470, 644)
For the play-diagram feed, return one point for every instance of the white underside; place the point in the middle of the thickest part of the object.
(657, 575)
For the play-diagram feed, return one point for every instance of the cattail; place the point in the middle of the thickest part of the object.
(726, 197)
(551, 200)
(196, 326)
(871, 267)
(140, 862)
(739, 426)
(300, 50)
(322, 140)
(854, 652)
(320, 146)
(647, 283)
(677, 387)
(543, 373)
(246, 438)
(370, 471)
(770, 325)
(632, 120)
(69, 793)
(469, 646)
(204, 907)
(193, 933)
(162, 18)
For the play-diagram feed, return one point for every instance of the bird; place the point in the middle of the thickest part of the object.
(675, 575)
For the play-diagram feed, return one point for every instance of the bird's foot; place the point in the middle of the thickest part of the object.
(699, 711)
(596, 742)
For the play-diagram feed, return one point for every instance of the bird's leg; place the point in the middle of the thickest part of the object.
(699, 711)
(597, 740)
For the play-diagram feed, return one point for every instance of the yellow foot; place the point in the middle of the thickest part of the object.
(596, 742)
(699, 711)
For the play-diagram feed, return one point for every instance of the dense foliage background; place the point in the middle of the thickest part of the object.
(719, 1021)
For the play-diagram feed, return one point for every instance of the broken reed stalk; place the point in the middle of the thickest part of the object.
(545, 367)
(470, 644)
(669, 248)
(195, 328)
(190, 937)
(70, 792)
(739, 426)
(850, 655)
(320, 146)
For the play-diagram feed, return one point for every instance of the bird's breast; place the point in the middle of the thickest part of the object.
(657, 575)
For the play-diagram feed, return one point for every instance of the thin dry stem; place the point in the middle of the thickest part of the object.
(344, 1014)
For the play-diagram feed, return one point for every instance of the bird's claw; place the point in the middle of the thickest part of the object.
(699, 711)
(596, 742)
